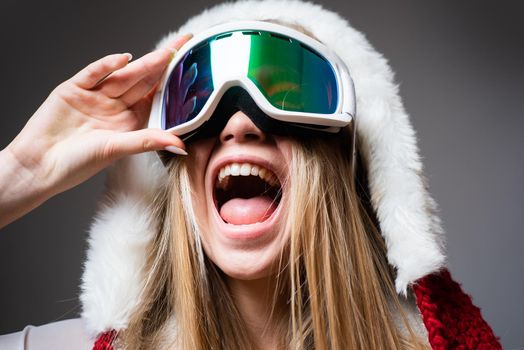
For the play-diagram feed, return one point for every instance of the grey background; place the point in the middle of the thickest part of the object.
(460, 69)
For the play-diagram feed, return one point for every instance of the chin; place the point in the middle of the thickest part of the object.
(246, 273)
(247, 260)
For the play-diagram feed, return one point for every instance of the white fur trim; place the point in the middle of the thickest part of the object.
(118, 241)
(121, 232)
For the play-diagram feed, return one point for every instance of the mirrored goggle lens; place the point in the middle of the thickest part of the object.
(291, 76)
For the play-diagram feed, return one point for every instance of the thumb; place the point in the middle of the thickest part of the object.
(143, 140)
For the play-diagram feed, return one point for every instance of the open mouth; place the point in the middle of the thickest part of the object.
(246, 193)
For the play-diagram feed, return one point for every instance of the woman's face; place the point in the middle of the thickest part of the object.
(238, 183)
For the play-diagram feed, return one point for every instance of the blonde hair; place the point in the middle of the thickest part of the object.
(333, 274)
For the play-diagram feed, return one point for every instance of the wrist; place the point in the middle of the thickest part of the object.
(21, 188)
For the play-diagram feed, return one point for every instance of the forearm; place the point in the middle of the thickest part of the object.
(20, 189)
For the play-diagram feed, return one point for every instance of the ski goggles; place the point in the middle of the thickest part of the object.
(291, 77)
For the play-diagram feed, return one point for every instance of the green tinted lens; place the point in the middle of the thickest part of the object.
(292, 76)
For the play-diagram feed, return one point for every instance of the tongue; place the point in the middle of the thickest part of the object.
(241, 211)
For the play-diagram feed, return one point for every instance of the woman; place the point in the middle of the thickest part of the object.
(179, 258)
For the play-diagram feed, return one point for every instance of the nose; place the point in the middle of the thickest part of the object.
(240, 128)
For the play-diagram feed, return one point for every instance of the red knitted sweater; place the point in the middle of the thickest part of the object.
(452, 321)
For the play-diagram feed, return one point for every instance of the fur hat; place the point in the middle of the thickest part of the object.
(123, 228)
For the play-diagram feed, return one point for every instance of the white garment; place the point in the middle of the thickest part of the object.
(67, 334)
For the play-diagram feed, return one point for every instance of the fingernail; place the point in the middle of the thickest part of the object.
(173, 53)
(129, 56)
(176, 150)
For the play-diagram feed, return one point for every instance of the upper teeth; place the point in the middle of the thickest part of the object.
(246, 169)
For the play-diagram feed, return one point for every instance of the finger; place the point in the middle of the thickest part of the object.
(91, 75)
(179, 41)
(146, 68)
(149, 69)
(147, 79)
(144, 140)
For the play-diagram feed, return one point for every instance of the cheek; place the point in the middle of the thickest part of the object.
(285, 146)
(198, 157)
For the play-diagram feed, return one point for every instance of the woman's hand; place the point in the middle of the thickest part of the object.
(85, 124)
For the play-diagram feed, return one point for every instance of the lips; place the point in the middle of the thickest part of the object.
(246, 193)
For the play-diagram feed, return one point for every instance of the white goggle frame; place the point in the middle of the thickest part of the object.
(344, 112)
